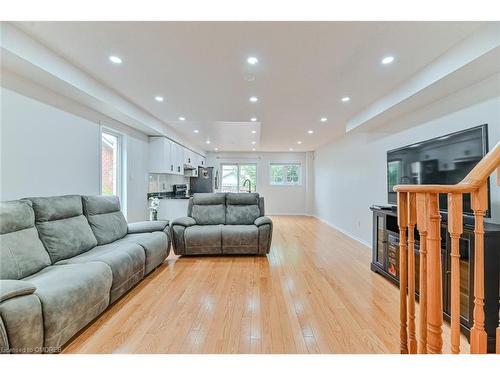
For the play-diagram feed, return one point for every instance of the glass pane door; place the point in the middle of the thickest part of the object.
(239, 178)
(229, 181)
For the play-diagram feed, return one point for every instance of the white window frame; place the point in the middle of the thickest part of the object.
(284, 183)
(121, 165)
(237, 164)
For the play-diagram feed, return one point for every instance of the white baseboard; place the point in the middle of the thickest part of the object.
(343, 231)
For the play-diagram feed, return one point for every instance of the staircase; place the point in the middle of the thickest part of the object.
(418, 206)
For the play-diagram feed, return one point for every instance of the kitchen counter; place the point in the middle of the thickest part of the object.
(167, 195)
(171, 207)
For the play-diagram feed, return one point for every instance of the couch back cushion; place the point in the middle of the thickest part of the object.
(208, 208)
(21, 251)
(242, 208)
(105, 218)
(63, 229)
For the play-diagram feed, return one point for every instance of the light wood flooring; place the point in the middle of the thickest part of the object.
(314, 293)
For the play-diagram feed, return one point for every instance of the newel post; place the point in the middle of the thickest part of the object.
(403, 269)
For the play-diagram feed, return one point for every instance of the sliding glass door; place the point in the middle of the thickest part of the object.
(238, 178)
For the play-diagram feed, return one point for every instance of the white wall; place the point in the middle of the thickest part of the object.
(350, 173)
(49, 151)
(279, 200)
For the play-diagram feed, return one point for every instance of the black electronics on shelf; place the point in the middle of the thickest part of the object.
(385, 261)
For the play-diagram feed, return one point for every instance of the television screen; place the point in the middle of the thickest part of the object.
(445, 160)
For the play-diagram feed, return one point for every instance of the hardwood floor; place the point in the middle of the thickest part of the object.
(314, 293)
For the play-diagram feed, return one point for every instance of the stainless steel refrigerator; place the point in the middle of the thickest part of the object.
(205, 182)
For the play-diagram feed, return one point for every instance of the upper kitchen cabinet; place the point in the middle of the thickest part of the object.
(160, 155)
(178, 158)
(166, 156)
(189, 157)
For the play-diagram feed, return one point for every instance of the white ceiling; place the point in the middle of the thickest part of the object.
(200, 68)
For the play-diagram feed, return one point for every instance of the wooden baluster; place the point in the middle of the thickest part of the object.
(434, 278)
(455, 228)
(478, 337)
(498, 334)
(498, 328)
(402, 223)
(422, 230)
(412, 220)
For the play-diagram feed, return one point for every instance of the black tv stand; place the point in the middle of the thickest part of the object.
(385, 261)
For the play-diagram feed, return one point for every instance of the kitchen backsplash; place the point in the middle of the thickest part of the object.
(159, 182)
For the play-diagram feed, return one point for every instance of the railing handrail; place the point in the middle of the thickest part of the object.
(477, 176)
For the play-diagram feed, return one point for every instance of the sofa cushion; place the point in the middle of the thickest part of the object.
(21, 251)
(155, 247)
(240, 239)
(63, 229)
(148, 226)
(72, 295)
(242, 208)
(203, 239)
(105, 218)
(242, 198)
(22, 324)
(209, 208)
(207, 199)
(126, 261)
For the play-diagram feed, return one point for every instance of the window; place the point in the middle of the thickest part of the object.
(111, 163)
(285, 174)
(239, 178)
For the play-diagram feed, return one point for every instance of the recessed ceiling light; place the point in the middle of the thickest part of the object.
(254, 131)
(323, 119)
(310, 131)
(253, 142)
(196, 131)
(252, 60)
(216, 149)
(253, 149)
(207, 142)
(387, 60)
(115, 59)
(345, 99)
(299, 142)
(290, 149)
(253, 99)
(182, 118)
(253, 119)
(159, 98)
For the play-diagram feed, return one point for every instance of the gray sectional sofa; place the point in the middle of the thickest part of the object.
(63, 260)
(223, 223)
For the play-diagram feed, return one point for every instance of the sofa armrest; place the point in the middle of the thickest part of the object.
(184, 221)
(15, 288)
(263, 220)
(147, 226)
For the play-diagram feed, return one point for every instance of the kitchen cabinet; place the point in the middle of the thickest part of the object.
(160, 155)
(170, 209)
(166, 156)
(189, 157)
(178, 158)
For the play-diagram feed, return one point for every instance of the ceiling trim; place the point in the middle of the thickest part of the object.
(25, 56)
(464, 53)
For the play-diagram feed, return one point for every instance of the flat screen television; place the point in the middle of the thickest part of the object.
(443, 160)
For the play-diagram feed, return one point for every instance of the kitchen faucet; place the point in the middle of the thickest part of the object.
(249, 185)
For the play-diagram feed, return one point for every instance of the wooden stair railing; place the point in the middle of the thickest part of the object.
(418, 205)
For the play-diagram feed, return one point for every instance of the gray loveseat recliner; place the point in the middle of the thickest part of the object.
(63, 260)
(223, 223)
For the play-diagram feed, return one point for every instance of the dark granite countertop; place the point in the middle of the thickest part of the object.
(166, 195)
